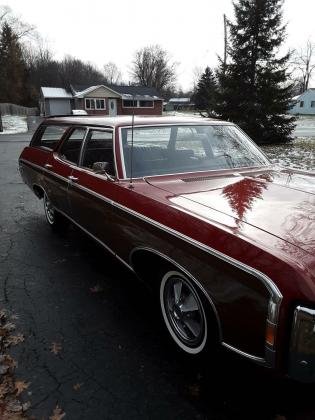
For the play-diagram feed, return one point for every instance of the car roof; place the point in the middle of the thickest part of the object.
(104, 121)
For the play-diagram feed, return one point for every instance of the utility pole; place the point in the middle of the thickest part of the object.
(225, 44)
(1, 125)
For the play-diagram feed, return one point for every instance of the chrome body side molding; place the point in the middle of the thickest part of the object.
(275, 294)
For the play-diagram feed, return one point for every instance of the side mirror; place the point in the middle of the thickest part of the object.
(100, 168)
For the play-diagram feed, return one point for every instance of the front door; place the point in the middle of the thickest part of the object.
(88, 208)
(112, 106)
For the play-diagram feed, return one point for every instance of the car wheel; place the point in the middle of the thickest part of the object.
(184, 312)
(55, 220)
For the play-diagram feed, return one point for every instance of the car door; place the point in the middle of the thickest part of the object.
(60, 166)
(91, 193)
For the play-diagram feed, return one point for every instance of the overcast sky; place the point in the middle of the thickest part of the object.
(191, 30)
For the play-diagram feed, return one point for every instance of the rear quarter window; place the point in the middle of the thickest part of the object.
(49, 136)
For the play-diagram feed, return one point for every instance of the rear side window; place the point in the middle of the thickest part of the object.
(49, 136)
(71, 148)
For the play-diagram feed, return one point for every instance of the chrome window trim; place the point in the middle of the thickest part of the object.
(205, 123)
(107, 130)
(57, 152)
(40, 130)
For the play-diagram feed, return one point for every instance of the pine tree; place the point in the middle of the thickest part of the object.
(206, 92)
(254, 89)
(12, 68)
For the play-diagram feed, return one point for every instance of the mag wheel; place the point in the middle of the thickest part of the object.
(49, 211)
(183, 312)
(54, 219)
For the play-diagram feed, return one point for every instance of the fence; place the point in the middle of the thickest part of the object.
(12, 109)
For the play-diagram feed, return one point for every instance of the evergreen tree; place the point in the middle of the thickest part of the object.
(206, 92)
(12, 68)
(254, 90)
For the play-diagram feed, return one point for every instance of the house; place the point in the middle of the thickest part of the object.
(109, 100)
(179, 104)
(304, 104)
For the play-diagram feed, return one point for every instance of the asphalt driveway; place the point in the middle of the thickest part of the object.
(93, 341)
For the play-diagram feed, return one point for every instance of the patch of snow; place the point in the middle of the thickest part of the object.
(305, 122)
(299, 154)
(14, 124)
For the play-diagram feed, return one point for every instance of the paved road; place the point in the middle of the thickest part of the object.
(113, 343)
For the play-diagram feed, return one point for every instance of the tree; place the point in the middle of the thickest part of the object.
(20, 28)
(12, 67)
(42, 70)
(112, 73)
(303, 62)
(206, 92)
(73, 70)
(254, 90)
(152, 67)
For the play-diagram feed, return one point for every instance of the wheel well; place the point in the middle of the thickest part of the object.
(150, 265)
(39, 192)
(142, 261)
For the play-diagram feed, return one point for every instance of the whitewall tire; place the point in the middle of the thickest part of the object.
(183, 312)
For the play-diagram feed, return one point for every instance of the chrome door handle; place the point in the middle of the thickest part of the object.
(48, 166)
(73, 178)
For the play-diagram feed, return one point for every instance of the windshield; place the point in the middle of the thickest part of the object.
(187, 148)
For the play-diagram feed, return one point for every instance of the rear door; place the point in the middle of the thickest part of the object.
(61, 165)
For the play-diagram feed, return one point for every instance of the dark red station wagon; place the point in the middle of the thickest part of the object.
(193, 207)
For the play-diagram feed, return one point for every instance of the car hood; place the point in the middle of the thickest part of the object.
(278, 202)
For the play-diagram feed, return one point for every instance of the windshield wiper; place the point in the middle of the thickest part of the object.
(228, 158)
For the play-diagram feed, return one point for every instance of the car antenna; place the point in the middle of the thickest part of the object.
(131, 186)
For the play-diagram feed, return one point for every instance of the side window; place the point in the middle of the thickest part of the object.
(49, 136)
(70, 150)
(99, 148)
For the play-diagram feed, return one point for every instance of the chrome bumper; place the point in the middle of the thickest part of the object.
(302, 346)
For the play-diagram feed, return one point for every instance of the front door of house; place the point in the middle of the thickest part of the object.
(112, 105)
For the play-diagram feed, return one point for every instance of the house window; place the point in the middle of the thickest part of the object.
(301, 104)
(94, 103)
(312, 104)
(137, 104)
(145, 104)
(130, 104)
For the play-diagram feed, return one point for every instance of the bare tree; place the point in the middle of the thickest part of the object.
(197, 73)
(112, 73)
(20, 28)
(74, 70)
(303, 62)
(152, 67)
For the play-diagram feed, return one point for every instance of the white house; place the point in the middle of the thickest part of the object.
(304, 104)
